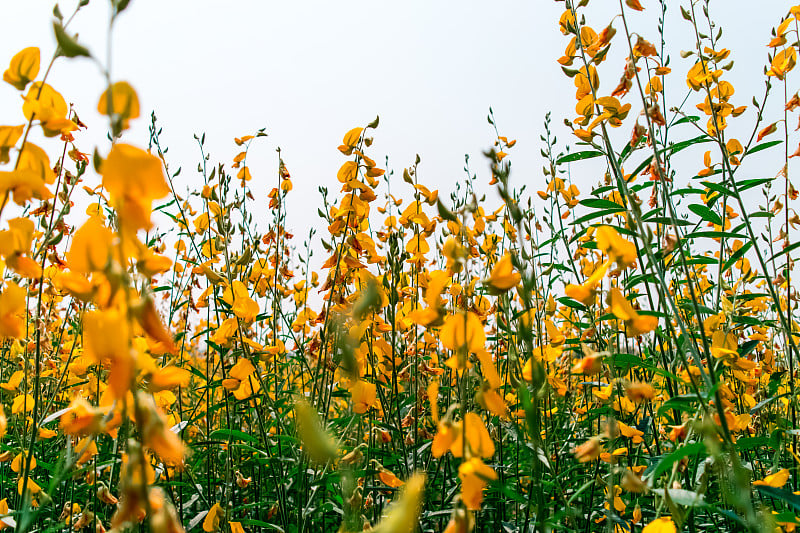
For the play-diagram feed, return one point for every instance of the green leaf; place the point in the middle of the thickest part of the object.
(235, 434)
(577, 156)
(573, 304)
(669, 221)
(685, 120)
(716, 187)
(260, 523)
(735, 256)
(749, 320)
(702, 260)
(68, 45)
(595, 214)
(757, 407)
(763, 146)
(677, 147)
(786, 250)
(705, 213)
(121, 5)
(748, 443)
(681, 402)
(445, 213)
(793, 500)
(626, 361)
(600, 203)
(667, 461)
(755, 182)
(715, 235)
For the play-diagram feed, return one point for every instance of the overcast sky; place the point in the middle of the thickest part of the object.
(309, 71)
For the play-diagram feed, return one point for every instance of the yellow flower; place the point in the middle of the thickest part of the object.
(586, 293)
(463, 331)
(12, 307)
(479, 442)
(29, 179)
(503, 276)
(241, 304)
(22, 404)
(23, 68)
(661, 525)
(242, 382)
(622, 309)
(403, 514)
(101, 347)
(444, 438)
(168, 378)
(14, 243)
(474, 475)
(18, 464)
(212, 519)
(618, 249)
(124, 103)
(783, 62)
(32, 486)
(9, 135)
(133, 178)
(46, 105)
(490, 400)
(364, 396)
(776, 480)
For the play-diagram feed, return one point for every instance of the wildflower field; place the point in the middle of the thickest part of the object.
(617, 357)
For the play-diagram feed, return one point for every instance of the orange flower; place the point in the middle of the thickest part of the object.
(15, 243)
(82, 418)
(588, 365)
(156, 435)
(588, 451)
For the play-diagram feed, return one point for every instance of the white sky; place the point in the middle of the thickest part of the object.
(309, 71)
